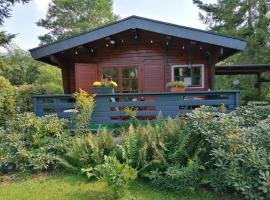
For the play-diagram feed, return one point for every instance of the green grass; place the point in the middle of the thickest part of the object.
(75, 187)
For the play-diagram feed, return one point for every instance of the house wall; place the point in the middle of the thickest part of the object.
(154, 61)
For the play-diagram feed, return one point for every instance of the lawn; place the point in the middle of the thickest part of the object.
(76, 187)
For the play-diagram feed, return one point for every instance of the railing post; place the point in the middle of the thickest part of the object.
(237, 99)
(35, 106)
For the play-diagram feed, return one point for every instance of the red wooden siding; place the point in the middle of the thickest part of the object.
(86, 74)
(155, 65)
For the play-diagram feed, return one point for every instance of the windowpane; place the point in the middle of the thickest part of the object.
(114, 73)
(125, 72)
(106, 73)
(191, 76)
(134, 84)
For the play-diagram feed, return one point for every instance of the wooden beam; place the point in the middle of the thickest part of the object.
(213, 59)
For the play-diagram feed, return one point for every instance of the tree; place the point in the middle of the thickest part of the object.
(66, 18)
(247, 19)
(5, 12)
(19, 68)
(7, 102)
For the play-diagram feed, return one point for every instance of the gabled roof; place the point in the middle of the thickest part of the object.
(135, 22)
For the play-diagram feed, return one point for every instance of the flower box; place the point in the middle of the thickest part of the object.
(176, 86)
(103, 90)
(177, 89)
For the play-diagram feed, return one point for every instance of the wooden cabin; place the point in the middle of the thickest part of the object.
(141, 55)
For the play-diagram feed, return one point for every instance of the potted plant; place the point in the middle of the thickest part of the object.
(176, 86)
(104, 87)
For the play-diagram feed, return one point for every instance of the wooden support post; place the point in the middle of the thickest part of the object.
(65, 71)
(211, 72)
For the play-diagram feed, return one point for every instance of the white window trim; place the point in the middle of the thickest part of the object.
(193, 65)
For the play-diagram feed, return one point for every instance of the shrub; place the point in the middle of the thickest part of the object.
(181, 178)
(24, 94)
(32, 143)
(84, 105)
(237, 149)
(156, 150)
(7, 102)
(118, 176)
(88, 151)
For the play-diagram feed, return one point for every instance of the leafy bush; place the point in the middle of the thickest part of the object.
(7, 102)
(24, 94)
(88, 151)
(237, 148)
(183, 178)
(32, 143)
(118, 176)
(84, 105)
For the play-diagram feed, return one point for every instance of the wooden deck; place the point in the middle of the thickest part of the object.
(109, 107)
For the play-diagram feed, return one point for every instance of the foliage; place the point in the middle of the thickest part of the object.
(88, 151)
(67, 18)
(118, 176)
(132, 114)
(5, 12)
(84, 106)
(237, 148)
(178, 84)
(50, 78)
(24, 94)
(181, 178)
(32, 143)
(19, 68)
(7, 102)
(248, 19)
(105, 84)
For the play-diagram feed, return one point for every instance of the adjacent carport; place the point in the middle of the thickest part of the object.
(244, 69)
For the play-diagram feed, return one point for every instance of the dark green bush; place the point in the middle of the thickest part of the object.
(32, 143)
(237, 149)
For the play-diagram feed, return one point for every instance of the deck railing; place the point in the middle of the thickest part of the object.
(109, 108)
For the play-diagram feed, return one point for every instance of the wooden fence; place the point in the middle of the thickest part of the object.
(109, 108)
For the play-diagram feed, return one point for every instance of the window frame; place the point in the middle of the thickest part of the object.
(186, 66)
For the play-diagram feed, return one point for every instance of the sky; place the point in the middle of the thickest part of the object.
(24, 17)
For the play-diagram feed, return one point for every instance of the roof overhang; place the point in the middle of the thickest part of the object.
(135, 22)
(241, 69)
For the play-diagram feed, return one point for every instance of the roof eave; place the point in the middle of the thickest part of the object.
(139, 23)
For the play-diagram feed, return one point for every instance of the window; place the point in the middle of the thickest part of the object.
(192, 76)
(126, 78)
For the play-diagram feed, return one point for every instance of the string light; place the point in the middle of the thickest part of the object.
(76, 52)
(151, 41)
